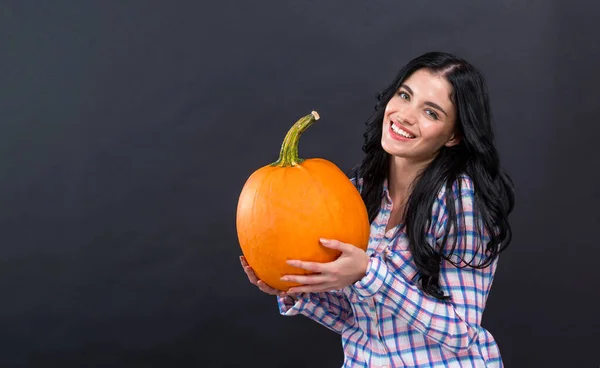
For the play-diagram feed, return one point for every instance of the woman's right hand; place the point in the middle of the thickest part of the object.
(261, 284)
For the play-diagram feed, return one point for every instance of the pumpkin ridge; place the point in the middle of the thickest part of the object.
(320, 189)
(257, 193)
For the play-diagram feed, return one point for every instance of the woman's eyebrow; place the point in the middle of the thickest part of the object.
(434, 105)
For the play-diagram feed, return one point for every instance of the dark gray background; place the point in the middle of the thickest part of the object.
(128, 130)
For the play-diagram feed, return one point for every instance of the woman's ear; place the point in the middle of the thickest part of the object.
(454, 140)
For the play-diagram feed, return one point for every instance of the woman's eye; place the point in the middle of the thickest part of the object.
(432, 114)
(403, 95)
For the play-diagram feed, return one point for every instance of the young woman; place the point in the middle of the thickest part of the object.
(438, 202)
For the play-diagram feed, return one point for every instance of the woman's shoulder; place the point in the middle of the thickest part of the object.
(462, 186)
(462, 198)
(463, 203)
(357, 182)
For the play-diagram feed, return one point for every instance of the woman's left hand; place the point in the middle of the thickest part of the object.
(350, 267)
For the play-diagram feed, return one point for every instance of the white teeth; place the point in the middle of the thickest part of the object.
(401, 131)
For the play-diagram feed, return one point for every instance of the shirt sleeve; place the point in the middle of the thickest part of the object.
(331, 309)
(453, 323)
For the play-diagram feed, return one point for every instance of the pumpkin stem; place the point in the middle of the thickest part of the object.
(288, 156)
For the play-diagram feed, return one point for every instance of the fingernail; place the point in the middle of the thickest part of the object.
(284, 278)
(325, 241)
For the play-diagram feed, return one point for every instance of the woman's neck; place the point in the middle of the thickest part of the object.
(402, 173)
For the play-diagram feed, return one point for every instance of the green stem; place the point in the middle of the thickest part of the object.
(288, 156)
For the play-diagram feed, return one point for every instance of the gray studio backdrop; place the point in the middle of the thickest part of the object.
(128, 129)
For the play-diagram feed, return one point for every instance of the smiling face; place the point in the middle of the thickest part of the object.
(420, 118)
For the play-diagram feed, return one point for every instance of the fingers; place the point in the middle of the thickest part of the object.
(337, 245)
(310, 266)
(306, 280)
(255, 281)
(248, 270)
(269, 290)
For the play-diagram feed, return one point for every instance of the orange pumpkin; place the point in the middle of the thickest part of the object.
(285, 208)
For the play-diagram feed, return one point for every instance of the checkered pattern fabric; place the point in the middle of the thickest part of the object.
(385, 320)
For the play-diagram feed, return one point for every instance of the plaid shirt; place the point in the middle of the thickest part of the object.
(385, 320)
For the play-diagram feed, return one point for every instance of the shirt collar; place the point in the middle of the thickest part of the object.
(386, 193)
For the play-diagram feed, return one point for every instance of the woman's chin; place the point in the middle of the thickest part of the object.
(393, 150)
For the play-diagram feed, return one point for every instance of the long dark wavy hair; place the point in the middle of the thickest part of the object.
(475, 156)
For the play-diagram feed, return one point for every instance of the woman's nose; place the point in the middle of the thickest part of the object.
(402, 111)
(406, 116)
